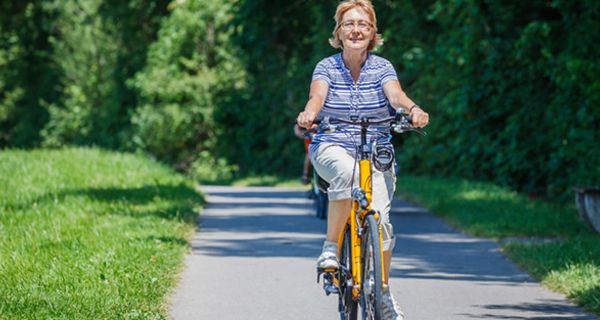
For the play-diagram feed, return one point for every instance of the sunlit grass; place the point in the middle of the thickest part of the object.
(90, 234)
(488, 210)
(571, 267)
(570, 264)
(268, 180)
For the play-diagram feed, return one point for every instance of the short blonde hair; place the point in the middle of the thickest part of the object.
(345, 6)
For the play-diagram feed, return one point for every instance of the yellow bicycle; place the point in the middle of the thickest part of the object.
(359, 279)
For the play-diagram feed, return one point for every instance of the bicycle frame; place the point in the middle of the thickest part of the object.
(362, 217)
(357, 217)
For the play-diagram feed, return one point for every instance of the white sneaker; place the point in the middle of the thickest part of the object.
(391, 308)
(328, 258)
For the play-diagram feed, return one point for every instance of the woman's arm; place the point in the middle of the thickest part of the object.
(316, 99)
(398, 99)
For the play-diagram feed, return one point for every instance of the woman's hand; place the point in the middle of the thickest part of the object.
(305, 119)
(420, 118)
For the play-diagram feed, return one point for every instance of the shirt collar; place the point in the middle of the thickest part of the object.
(342, 65)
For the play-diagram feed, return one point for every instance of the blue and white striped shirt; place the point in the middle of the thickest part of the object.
(364, 98)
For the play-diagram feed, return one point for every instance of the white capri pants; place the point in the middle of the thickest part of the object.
(335, 165)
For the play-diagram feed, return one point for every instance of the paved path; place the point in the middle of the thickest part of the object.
(254, 258)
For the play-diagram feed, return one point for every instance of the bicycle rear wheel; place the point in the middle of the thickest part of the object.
(347, 306)
(320, 200)
(372, 287)
(322, 203)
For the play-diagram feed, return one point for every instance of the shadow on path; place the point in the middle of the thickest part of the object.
(427, 248)
(557, 308)
(468, 276)
(430, 249)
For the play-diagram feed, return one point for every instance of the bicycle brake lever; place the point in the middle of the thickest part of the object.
(403, 128)
(419, 131)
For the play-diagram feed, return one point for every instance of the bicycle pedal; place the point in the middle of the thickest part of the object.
(331, 289)
(329, 284)
(326, 270)
(321, 271)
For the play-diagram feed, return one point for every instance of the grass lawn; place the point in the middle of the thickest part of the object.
(269, 181)
(570, 265)
(90, 234)
(257, 181)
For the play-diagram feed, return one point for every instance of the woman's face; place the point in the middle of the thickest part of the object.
(356, 30)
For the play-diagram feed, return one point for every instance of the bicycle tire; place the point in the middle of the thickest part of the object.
(372, 278)
(320, 200)
(347, 306)
(317, 203)
(320, 205)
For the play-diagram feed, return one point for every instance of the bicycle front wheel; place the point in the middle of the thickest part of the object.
(348, 307)
(372, 286)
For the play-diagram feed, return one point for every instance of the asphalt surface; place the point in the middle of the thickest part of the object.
(255, 252)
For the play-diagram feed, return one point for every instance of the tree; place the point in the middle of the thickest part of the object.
(187, 69)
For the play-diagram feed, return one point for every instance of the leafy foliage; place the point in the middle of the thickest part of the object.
(512, 88)
(510, 91)
(280, 43)
(188, 69)
(483, 69)
(95, 57)
(26, 71)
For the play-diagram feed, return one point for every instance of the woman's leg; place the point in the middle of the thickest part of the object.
(337, 167)
(384, 185)
(338, 213)
(387, 262)
(382, 200)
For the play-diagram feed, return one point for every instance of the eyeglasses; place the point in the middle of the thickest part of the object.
(362, 25)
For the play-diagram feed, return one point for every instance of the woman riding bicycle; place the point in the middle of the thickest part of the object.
(355, 83)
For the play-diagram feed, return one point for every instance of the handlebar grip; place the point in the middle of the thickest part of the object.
(401, 115)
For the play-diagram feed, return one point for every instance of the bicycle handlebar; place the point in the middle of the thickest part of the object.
(361, 121)
(399, 123)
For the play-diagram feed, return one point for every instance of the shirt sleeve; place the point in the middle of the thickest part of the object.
(388, 73)
(321, 73)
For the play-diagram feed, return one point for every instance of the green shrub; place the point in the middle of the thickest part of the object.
(208, 169)
(187, 68)
(27, 72)
(511, 90)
